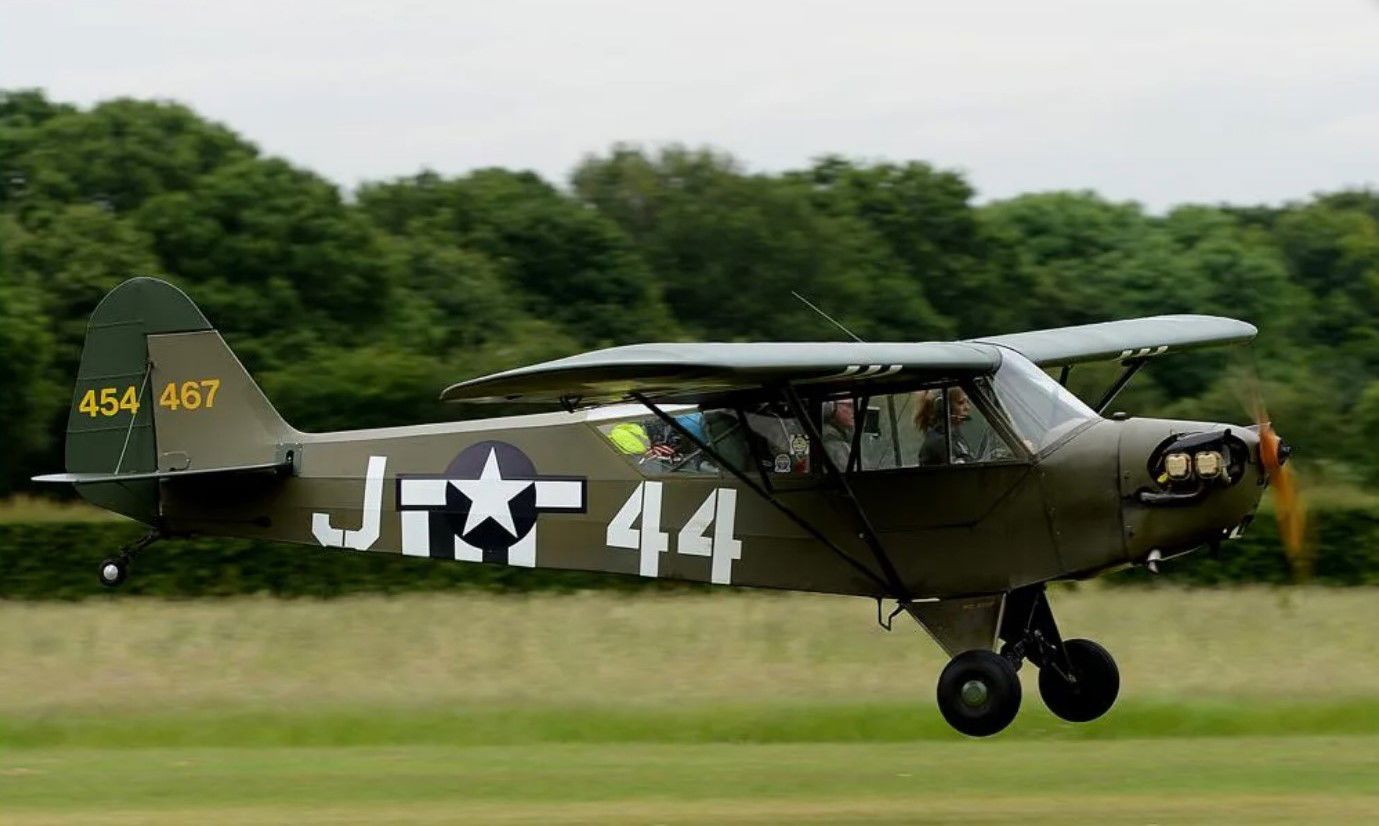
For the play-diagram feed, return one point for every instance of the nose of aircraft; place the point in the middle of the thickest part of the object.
(1186, 484)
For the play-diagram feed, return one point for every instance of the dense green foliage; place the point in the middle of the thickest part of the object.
(1344, 550)
(355, 309)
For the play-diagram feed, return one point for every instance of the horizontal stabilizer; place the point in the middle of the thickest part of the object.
(92, 478)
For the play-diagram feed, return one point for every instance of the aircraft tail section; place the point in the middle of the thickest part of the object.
(159, 393)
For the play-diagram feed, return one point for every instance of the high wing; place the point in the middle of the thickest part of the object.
(694, 373)
(1132, 338)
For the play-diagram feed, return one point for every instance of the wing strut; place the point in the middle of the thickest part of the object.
(765, 494)
(893, 580)
(1132, 366)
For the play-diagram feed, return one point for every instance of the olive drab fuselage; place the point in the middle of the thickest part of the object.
(949, 530)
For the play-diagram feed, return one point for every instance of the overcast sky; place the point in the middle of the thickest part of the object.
(1162, 102)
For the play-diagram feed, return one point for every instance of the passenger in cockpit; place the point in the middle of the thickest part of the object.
(840, 419)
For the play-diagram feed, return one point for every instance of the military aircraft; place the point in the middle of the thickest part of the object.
(954, 479)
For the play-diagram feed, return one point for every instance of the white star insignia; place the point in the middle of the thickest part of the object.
(490, 496)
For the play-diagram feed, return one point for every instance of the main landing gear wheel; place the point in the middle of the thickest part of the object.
(1092, 692)
(979, 693)
(114, 571)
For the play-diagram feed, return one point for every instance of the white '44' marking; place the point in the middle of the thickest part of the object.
(719, 511)
(645, 502)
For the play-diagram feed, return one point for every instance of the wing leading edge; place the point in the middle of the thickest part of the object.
(690, 372)
(1122, 340)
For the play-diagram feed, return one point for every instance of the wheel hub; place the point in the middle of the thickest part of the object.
(111, 572)
(974, 693)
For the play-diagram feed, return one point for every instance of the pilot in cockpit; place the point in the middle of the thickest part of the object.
(938, 411)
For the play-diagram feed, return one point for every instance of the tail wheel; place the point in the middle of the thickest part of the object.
(1093, 689)
(114, 571)
(979, 693)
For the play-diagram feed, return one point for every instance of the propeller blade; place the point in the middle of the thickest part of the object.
(1289, 508)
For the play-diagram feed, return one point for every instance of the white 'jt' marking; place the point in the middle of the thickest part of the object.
(362, 539)
(490, 497)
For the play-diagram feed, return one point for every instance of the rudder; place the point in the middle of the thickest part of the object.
(158, 390)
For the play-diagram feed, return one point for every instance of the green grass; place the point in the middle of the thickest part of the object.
(762, 724)
(1307, 779)
(1246, 705)
(651, 652)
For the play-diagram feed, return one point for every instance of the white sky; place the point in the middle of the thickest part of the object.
(1163, 102)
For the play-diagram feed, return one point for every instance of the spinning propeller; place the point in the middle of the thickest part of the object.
(1289, 508)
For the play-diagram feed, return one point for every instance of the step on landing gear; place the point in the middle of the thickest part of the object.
(115, 570)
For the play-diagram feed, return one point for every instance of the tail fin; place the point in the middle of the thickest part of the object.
(160, 393)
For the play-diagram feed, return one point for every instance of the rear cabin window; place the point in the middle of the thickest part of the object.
(760, 440)
(657, 449)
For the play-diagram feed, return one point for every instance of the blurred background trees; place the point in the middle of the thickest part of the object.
(355, 309)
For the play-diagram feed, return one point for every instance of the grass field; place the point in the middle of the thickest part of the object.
(1252, 705)
(1292, 780)
(43, 509)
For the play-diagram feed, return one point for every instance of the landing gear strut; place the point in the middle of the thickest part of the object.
(115, 570)
(979, 691)
(1078, 679)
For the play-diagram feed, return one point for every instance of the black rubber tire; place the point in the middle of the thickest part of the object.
(999, 683)
(1098, 683)
(121, 569)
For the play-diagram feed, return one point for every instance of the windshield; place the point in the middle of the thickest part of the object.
(1041, 410)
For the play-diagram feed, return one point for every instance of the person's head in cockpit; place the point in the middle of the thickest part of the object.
(939, 411)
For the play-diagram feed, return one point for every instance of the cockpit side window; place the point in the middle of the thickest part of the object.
(958, 429)
(890, 437)
(950, 424)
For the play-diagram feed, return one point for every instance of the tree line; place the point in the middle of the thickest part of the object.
(354, 309)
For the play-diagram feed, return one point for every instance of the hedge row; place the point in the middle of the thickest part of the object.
(1343, 549)
(58, 560)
